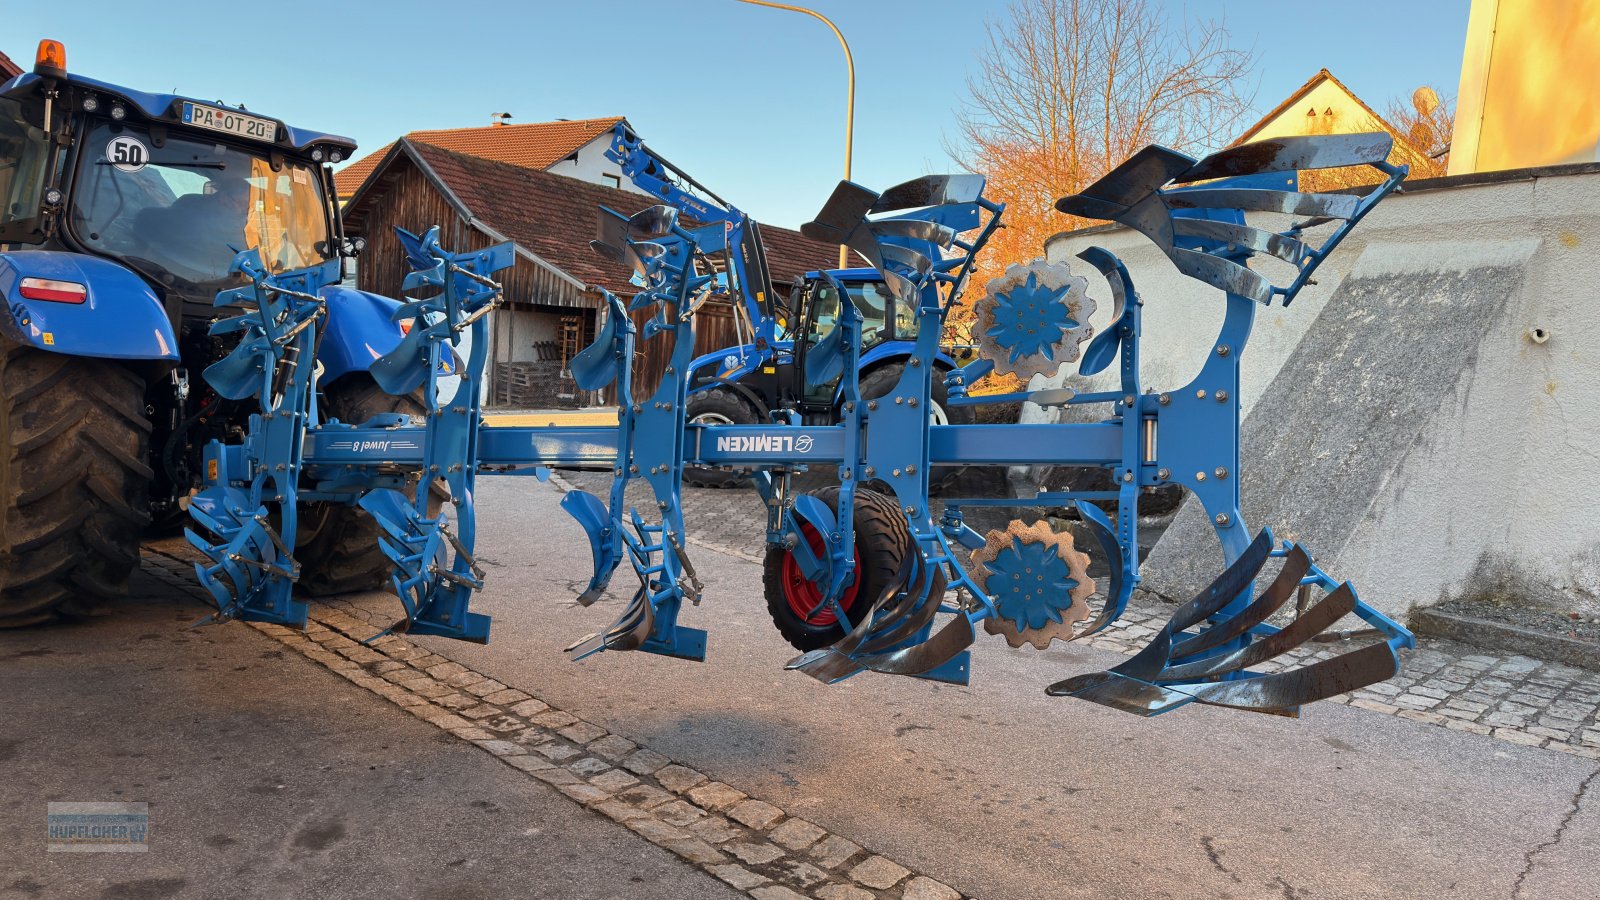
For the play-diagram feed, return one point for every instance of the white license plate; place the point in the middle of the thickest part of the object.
(226, 120)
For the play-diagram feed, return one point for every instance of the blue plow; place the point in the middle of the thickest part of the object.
(873, 577)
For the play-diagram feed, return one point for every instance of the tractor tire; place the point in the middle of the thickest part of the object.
(338, 544)
(719, 406)
(883, 379)
(882, 539)
(74, 483)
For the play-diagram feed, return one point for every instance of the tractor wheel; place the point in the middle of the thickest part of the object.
(338, 544)
(882, 540)
(719, 407)
(882, 380)
(74, 483)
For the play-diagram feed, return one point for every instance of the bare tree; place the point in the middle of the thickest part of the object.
(1069, 88)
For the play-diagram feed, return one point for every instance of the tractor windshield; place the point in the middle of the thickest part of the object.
(23, 151)
(873, 300)
(181, 207)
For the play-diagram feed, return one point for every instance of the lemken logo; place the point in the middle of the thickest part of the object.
(765, 443)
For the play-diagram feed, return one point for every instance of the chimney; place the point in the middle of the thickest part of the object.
(499, 119)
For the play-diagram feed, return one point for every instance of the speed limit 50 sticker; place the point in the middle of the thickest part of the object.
(127, 154)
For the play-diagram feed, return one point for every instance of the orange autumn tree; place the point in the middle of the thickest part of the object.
(1067, 89)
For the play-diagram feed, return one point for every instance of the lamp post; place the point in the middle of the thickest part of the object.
(850, 94)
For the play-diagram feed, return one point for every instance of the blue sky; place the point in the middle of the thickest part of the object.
(749, 100)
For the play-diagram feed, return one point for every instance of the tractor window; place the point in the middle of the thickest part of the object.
(871, 299)
(23, 151)
(182, 209)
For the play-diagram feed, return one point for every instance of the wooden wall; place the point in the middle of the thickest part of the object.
(405, 197)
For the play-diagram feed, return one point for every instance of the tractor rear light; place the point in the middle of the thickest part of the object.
(51, 60)
(405, 325)
(52, 290)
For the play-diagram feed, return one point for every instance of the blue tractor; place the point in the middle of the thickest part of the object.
(121, 216)
(746, 383)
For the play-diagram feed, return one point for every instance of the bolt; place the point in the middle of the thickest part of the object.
(872, 404)
(634, 469)
(911, 510)
(911, 470)
(1200, 394)
(849, 407)
(844, 475)
(669, 370)
(1163, 474)
(1222, 519)
(871, 472)
(1223, 350)
(1127, 476)
(661, 504)
(1128, 400)
(617, 471)
(1222, 396)
(899, 400)
(638, 407)
(912, 401)
(1164, 399)
(896, 473)
(915, 362)
(1199, 476)
(1221, 472)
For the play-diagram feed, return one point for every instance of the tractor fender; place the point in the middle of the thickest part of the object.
(120, 317)
(360, 329)
(899, 351)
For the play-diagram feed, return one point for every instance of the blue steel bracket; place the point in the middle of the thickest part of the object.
(247, 511)
(434, 571)
(667, 260)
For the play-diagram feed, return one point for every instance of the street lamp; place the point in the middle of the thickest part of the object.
(850, 95)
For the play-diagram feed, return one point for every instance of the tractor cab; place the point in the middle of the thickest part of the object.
(167, 186)
(815, 304)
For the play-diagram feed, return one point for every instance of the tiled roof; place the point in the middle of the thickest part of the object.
(554, 217)
(536, 145)
(8, 69)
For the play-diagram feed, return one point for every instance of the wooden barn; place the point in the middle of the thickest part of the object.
(550, 312)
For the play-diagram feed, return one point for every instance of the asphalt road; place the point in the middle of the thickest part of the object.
(270, 777)
(1003, 792)
(267, 776)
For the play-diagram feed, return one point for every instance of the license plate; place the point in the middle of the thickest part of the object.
(230, 122)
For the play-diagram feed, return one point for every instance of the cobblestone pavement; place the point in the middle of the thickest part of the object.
(1512, 698)
(750, 844)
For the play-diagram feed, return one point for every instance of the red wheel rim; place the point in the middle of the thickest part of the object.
(804, 594)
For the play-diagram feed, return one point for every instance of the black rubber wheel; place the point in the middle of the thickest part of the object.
(338, 545)
(719, 406)
(882, 539)
(881, 381)
(74, 483)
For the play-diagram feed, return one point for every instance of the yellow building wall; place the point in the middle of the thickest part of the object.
(1530, 86)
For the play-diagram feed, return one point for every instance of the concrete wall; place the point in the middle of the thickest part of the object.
(1401, 417)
